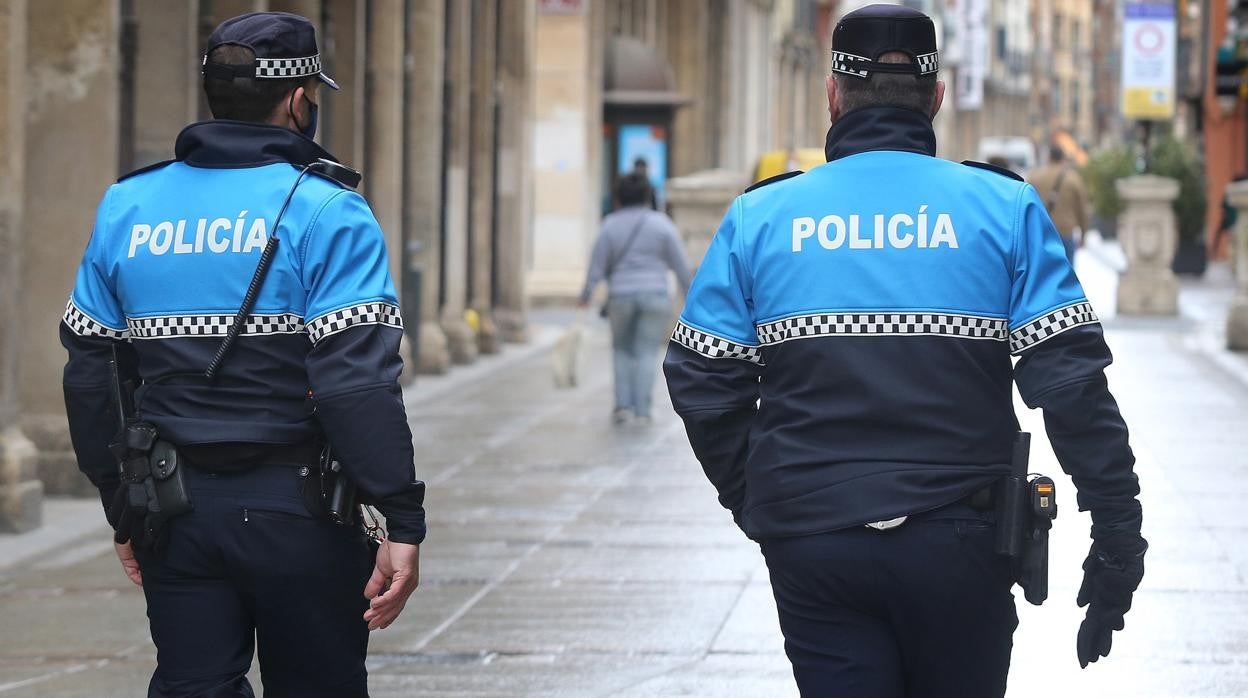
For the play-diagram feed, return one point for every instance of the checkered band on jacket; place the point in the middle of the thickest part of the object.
(377, 313)
(84, 325)
(1051, 325)
(168, 326)
(713, 347)
(822, 325)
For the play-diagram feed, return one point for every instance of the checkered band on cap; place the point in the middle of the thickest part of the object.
(845, 63)
(860, 66)
(169, 326)
(713, 347)
(364, 314)
(928, 63)
(84, 325)
(283, 68)
(1051, 325)
(882, 324)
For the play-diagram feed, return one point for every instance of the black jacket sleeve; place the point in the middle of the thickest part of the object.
(717, 398)
(354, 375)
(90, 405)
(1065, 377)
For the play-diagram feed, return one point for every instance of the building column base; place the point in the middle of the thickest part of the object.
(460, 339)
(489, 340)
(1148, 292)
(513, 325)
(21, 492)
(1237, 324)
(57, 464)
(434, 357)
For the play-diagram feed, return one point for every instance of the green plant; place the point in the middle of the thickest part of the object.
(1101, 172)
(1171, 157)
(1174, 158)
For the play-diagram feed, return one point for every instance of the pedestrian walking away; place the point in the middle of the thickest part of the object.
(633, 254)
(1065, 198)
(843, 367)
(243, 288)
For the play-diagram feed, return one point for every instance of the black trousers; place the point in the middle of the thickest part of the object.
(920, 611)
(251, 569)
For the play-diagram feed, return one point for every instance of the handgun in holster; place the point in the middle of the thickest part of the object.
(1025, 508)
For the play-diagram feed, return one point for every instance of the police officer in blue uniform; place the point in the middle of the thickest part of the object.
(843, 368)
(221, 517)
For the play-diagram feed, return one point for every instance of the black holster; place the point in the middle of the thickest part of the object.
(1025, 508)
(338, 492)
(151, 472)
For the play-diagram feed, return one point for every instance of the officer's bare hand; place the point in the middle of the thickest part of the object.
(129, 565)
(395, 577)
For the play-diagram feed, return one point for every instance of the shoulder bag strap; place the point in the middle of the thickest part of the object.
(632, 236)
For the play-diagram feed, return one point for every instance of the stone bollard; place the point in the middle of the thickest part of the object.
(698, 202)
(1237, 317)
(1149, 238)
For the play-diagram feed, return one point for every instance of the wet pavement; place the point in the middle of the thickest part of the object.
(567, 557)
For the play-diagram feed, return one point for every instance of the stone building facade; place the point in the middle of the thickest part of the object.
(721, 81)
(436, 111)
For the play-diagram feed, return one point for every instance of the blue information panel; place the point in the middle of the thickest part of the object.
(645, 143)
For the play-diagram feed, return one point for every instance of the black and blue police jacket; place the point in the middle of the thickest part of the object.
(844, 353)
(172, 253)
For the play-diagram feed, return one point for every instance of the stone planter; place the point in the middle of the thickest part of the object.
(1237, 317)
(1149, 239)
(697, 204)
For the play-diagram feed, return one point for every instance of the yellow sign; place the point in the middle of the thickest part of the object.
(1148, 103)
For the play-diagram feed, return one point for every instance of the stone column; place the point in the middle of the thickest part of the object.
(515, 169)
(566, 147)
(21, 492)
(481, 173)
(461, 338)
(167, 79)
(72, 131)
(383, 137)
(343, 46)
(1149, 239)
(1237, 318)
(422, 171)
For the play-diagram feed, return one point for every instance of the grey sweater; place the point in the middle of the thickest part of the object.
(639, 267)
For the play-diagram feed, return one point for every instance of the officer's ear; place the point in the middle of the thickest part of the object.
(940, 97)
(834, 98)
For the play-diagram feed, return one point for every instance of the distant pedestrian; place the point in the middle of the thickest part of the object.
(1065, 196)
(634, 253)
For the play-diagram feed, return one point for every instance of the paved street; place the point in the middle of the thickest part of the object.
(570, 558)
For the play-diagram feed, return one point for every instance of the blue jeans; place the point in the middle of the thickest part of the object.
(639, 324)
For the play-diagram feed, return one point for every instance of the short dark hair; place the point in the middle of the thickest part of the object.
(914, 92)
(632, 189)
(245, 99)
(1056, 154)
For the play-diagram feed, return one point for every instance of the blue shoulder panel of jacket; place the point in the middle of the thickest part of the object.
(883, 243)
(161, 263)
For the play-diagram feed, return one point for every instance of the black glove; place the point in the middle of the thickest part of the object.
(1111, 574)
(136, 521)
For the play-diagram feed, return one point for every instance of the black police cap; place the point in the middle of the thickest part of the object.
(862, 36)
(284, 44)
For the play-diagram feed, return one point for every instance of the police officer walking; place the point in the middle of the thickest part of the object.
(843, 368)
(244, 288)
